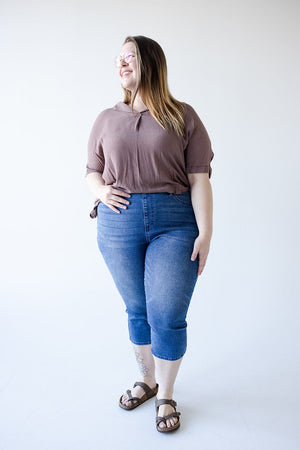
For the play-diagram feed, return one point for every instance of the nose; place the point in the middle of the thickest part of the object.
(123, 62)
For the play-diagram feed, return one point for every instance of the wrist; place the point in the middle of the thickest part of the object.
(206, 234)
(99, 191)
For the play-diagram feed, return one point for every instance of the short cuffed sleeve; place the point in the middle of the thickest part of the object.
(95, 159)
(198, 152)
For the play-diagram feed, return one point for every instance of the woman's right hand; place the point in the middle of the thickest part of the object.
(113, 198)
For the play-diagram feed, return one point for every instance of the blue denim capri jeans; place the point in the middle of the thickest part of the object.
(147, 249)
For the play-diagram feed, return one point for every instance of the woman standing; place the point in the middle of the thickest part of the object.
(149, 168)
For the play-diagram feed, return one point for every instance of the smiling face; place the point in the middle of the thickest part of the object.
(128, 70)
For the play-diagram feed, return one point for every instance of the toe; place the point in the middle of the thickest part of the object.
(125, 400)
(162, 425)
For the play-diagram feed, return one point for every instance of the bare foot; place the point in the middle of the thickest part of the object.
(138, 391)
(165, 410)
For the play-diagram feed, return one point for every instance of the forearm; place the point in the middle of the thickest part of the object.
(202, 201)
(95, 182)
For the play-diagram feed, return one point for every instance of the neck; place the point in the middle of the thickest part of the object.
(139, 105)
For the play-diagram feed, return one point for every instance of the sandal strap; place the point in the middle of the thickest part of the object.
(129, 395)
(134, 399)
(165, 401)
(148, 391)
(163, 419)
(130, 398)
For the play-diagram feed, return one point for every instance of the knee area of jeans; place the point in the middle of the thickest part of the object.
(168, 331)
(136, 314)
(167, 322)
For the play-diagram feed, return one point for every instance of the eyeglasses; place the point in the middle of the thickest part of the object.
(127, 57)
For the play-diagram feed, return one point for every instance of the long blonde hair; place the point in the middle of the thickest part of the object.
(153, 85)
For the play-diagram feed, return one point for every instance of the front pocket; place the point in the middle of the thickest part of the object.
(184, 198)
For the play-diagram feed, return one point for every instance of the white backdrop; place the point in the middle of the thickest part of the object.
(63, 329)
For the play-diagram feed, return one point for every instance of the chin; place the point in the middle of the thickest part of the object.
(126, 86)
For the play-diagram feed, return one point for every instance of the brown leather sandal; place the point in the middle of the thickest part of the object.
(166, 429)
(136, 401)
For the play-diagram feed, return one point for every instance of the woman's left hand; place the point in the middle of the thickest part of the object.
(201, 248)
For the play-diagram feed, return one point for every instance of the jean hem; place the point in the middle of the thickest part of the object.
(139, 343)
(167, 358)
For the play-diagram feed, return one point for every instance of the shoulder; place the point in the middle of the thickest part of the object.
(190, 113)
(192, 119)
(108, 113)
(103, 118)
(104, 113)
(194, 125)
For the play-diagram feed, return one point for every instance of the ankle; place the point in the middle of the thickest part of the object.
(166, 394)
(150, 380)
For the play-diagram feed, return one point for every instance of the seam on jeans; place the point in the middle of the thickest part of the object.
(168, 359)
(145, 217)
(140, 343)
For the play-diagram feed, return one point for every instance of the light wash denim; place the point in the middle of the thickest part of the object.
(147, 249)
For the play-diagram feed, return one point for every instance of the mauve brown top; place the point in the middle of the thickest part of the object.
(135, 154)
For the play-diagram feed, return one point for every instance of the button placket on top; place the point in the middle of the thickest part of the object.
(137, 122)
(136, 127)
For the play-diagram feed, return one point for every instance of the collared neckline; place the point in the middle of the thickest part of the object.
(121, 106)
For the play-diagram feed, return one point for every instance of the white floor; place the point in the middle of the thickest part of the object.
(61, 380)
